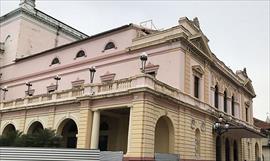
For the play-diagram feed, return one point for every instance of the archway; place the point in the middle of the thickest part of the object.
(227, 150)
(8, 129)
(257, 156)
(164, 136)
(68, 130)
(235, 151)
(35, 127)
(218, 148)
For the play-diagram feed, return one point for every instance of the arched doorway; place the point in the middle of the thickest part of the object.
(227, 150)
(257, 156)
(68, 130)
(8, 129)
(218, 148)
(164, 136)
(35, 127)
(235, 151)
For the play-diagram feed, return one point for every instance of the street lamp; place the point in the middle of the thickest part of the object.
(57, 78)
(220, 127)
(28, 84)
(92, 73)
(143, 58)
(4, 92)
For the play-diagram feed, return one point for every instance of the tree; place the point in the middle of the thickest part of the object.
(41, 138)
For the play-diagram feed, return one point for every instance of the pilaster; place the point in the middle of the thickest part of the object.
(85, 124)
(187, 73)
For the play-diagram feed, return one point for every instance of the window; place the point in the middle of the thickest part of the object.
(233, 110)
(216, 96)
(109, 45)
(225, 101)
(55, 61)
(81, 53)
(246, 114)
(196, 86)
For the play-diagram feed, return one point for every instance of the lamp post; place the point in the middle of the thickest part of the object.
(220, 127)
(92, 73)
(143, 58)
(28, 84)
(4, 92)
(57, 78)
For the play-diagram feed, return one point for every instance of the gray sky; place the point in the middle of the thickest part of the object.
(238, 31)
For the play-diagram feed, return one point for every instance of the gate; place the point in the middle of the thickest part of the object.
(166, 157)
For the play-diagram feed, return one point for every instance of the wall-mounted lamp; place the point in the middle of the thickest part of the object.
(220, 127)
(143, 58)
(4, 92)
(92, 71)
(57, 78)
(29, 92)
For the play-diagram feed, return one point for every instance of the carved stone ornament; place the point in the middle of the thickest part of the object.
(30, 92)
(77, 83)
(51, 88)
(197, 70)
(107, 77)
(193, 124)
(151, 68)
(203, 127)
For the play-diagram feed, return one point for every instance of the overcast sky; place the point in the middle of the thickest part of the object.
(238, 31)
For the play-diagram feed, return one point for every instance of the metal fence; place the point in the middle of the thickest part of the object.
(47, 154)
(111, 156)
(166, 157)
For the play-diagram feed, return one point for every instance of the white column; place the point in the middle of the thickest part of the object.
(95, 130)
(129, 129)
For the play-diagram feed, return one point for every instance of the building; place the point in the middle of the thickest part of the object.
(265, 128)
(178, 99)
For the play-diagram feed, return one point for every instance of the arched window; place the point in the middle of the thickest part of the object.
(225, 101)
(109, 45)
(197, 143)
(233, 110)
(55, 61)
(216, 96)
(81, 53)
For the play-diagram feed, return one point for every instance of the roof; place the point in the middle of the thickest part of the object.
(47, 19)
(79, 41)
(261, 124)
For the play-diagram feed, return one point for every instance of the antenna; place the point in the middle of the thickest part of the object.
(148, 24)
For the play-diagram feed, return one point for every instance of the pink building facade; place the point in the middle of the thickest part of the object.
(36, 47)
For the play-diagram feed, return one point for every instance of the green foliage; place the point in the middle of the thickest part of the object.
(42, 138)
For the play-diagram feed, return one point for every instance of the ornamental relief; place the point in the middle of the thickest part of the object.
(198, 125)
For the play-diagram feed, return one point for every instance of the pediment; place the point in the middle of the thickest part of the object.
(249, 86)
(201, 42)
(198, 70)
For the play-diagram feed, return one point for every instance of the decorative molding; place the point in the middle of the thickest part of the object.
(193, 124)
(77, 83)
(197, 70)
(107, 77)
(150, 68)
(203, 126)
(51, 88)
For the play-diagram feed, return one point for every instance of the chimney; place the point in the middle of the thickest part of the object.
(196, 22)
(28, 4)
